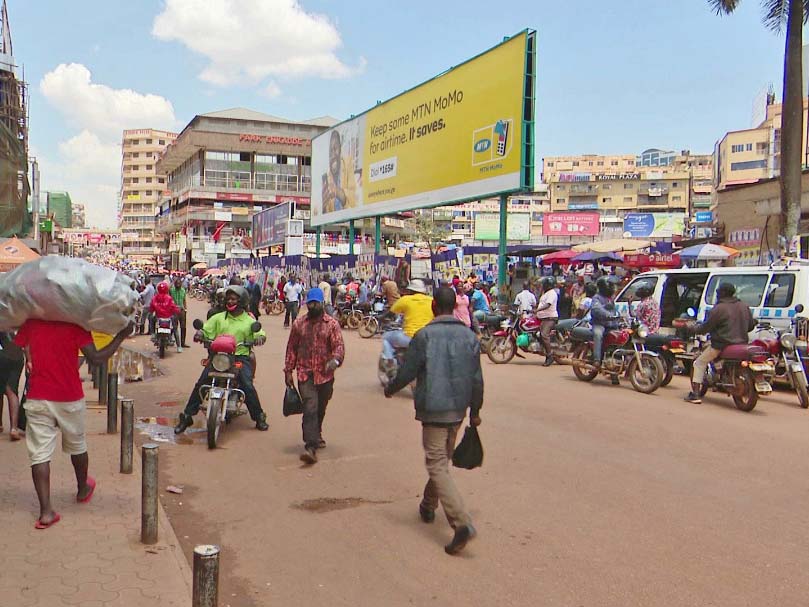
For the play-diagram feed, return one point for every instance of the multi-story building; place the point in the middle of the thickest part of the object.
(752, 155)
(60, 208)
(79, 218)
(141, 188)
(222, 169)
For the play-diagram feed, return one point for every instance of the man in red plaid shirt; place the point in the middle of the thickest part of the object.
(315, 348)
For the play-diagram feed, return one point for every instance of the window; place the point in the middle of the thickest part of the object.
(590, 164)
(780, 291)
(606, 186)
(161, 180)
(628, 294)
(629, 186)
(148, 192)
(575, 163)
(161, 142)
(675, 184)
(149, 167)
(561, 187)
(148, 180)
(600, 163)
(614, 163)
(749, 287)
(748, 147)
(135, 180)
(560, 201)
(607, 199)
(676, 198)
(550, 164)
(135, 167)
(750, 164)
(148, 142)
(627, 198)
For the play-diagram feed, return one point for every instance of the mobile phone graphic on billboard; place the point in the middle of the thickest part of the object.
(492, 142)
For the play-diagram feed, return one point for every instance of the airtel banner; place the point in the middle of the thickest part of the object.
(571, 224)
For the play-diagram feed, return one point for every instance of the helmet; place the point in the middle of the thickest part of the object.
(220, 296)
(604, 287)
(244, 296)
(548, 283)
(163, 288)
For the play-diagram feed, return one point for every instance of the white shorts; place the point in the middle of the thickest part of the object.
(45, 419)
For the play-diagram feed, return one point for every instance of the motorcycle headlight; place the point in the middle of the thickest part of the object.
(788, 341)
(505, 324)
(221, 362)
(642, 332)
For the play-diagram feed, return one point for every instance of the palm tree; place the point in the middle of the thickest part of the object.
(778, 15)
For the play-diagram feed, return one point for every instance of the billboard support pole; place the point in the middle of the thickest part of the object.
(501, 247)
(317, 242)
(351, 237)
(377, 234)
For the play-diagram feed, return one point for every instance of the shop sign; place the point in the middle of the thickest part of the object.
(618, 177)
(574, 177)
(703, 216)
(571, 224)
(249, 138)
(237, 196)
(654, 225)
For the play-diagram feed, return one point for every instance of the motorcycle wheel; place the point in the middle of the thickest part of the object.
(668, 366)
(746, 395)
(214, 423)
(646, 376)
(354, 319)
(485, 344)
(368, 327)
(161, 348)
(800, 388)
(277, 308)
(501, 349)
(581, 371)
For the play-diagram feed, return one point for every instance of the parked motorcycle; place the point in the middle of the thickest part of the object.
(271, 303)
(370, 324)
(784, 355)
(164, 335)
(349, 314)
(222, 399)
(668, 348)
(624, 353)
(522, 334)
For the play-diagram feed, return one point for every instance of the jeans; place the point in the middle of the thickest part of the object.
(480, 316)
(700, 365)
(315, 400)
(183, 316)
(392, 340)
(598, 341)
(292, 312)
(439, 443)
(245, 384)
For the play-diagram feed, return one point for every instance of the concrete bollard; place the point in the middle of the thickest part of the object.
(102, 383)
(112, 403)
(127, 434)
(206, 576)
(148, 497)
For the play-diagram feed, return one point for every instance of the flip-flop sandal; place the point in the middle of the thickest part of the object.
(15, 435)
(40, 525)
(91, 482)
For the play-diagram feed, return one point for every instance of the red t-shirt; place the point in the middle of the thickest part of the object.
(54, 351)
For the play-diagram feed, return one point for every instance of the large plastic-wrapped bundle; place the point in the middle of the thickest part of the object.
(68, 290)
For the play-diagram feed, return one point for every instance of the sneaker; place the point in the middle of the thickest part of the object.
(309, 456)
(693, 397)
(179, 349)
(427, 515)
(261, 423)
(463, 534)
(321, 444)
(548, 361)
(186, 421)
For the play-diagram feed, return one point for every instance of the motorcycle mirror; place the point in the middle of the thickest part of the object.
(197, 324)
(799, 308)
(255, 327)
(692, 313)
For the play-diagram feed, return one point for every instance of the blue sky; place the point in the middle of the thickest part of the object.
(614, 77)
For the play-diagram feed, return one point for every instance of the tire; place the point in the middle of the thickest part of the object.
(668, 366)
(800, 388)
(277, 308)
(582, 373)
(646, 376)
(161, 348)
(501, 349)
(354, 319)
(485, 344)
(743, 380)
(368, 327)
(214, 423)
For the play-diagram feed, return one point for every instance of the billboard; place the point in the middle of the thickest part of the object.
(464, 135)
(270, 226)
(487, 226)
(571, 224)
(654, 225)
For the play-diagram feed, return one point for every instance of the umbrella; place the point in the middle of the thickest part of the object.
(200, 266)
(593, 256)
(613, 245)
(14, 252)
(214, 272)
(559, 256)
(708, 251)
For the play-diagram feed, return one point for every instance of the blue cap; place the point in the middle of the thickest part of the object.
(315, 294)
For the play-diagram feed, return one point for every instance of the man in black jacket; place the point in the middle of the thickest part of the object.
(729, 323)
(444, 359)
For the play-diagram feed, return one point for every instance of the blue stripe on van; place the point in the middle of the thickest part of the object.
(764, 312)
(779, 313)
(792, 313)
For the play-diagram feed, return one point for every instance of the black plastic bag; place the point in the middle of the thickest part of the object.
(293, 405)
(469, 452)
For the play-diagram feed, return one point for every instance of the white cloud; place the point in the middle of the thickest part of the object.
(247, 41)
(101, 109)
(88, 164)
(271, 91)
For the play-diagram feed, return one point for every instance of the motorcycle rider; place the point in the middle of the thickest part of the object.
(548, 315)
(525, 301)
(218, 304)
(237, 322)
(417, 308)
(729, 323)
(603, 317)
(163, 306)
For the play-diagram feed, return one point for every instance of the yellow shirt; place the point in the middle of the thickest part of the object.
(417, 310)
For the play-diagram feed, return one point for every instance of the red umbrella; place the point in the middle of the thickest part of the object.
(559, 256)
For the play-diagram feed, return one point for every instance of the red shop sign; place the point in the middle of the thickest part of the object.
(571, 224)
(654, 260)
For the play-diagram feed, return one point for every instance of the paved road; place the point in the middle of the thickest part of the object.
(590, 495)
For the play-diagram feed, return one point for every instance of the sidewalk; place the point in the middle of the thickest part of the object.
(93, 556)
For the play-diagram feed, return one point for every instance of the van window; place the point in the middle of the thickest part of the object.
(680, 292)
(749, 287)
(780, 291)
(628, 294)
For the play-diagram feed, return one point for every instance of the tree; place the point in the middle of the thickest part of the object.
(428, 231)
(789, 15)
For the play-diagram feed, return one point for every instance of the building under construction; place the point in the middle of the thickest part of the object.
(14, 187)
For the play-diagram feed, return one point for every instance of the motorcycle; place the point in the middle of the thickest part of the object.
(624, 353)
(517, 334)
(741, 370)
(348, 314)
(784, 354)
(222, 399)
(668, 348)
(164, 335)
(370, 324)
(271, 303)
